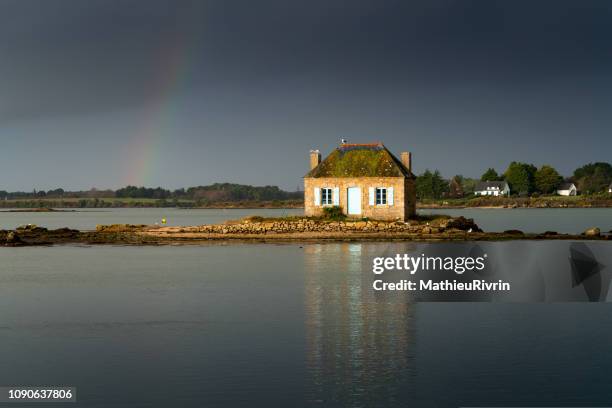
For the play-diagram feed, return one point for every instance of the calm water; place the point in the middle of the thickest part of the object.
(572, 220)
(87, 219)
(567, 220)
(289, 325)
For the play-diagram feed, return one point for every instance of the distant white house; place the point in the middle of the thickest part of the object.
(567, 189)
(492, 188)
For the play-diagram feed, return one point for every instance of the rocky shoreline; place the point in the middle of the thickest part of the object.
(277, 230)
(602, 201)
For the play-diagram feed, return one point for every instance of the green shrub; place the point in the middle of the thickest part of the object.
(333, 213)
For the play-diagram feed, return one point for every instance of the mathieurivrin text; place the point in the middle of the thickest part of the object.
(413, 264)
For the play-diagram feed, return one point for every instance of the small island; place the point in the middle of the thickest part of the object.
(287, 229)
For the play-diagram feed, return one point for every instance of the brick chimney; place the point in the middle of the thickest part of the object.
(407, 160)
(315, 158)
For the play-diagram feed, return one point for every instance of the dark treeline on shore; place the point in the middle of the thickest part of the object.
(200, 196)
(523, 179)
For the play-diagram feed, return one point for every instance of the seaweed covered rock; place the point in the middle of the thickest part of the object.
(33, 228)
(462, 223)
(33, 235)
(11, 238)
(122, 227)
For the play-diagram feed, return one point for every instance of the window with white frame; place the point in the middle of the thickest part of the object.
(381, 196)
(326, 196)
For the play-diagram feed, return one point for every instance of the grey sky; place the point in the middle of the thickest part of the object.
(179, 93)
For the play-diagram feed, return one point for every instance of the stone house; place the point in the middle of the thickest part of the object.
(365, 180)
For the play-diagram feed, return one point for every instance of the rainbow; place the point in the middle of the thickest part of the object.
(144, 149)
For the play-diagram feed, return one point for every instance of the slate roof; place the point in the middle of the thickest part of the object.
(360, 160)
(482, 185)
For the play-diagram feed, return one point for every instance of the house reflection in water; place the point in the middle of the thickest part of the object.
(359, 342)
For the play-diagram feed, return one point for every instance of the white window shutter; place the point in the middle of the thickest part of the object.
(390, 195)
(372, 196)
(317, 196)
(336, 196)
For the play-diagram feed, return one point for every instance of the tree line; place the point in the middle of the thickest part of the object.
(218, 192)
(523, 179)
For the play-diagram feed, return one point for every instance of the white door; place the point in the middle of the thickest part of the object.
(354, 200)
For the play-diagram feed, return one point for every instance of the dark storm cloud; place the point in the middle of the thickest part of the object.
(69, 57)
(453, 38)
(501, 80)
(72, 56)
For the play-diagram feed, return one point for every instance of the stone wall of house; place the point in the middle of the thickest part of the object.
(404, 197)
(409, 198)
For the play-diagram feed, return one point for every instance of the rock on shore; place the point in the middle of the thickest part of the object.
(34, 235)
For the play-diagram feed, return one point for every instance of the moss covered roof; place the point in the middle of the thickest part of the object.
(360, 160)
